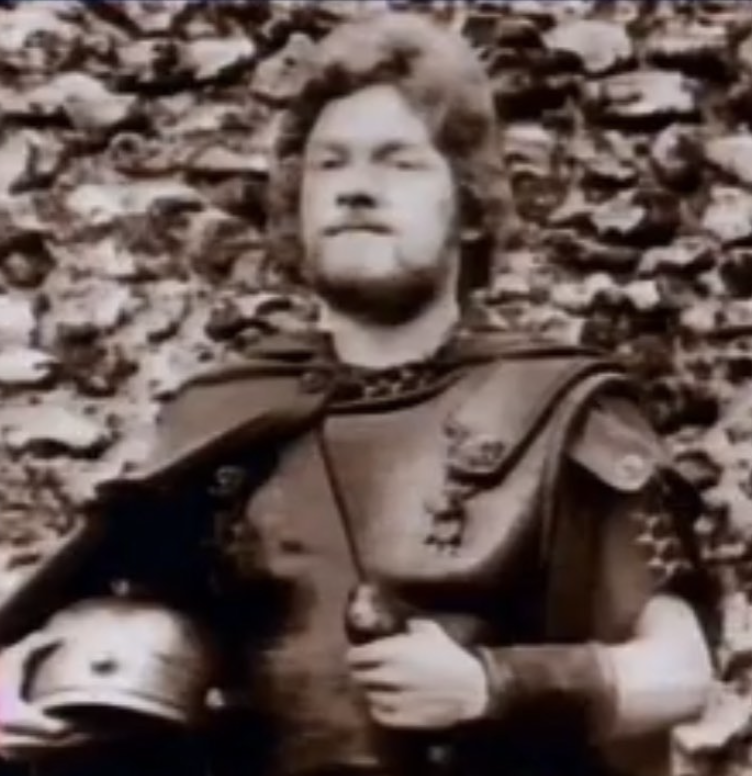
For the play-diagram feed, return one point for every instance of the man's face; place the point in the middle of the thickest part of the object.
(378, 208)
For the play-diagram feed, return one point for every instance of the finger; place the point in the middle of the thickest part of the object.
(386, 717)
(375, 653)
(400, 719)
(381, 678)
(382, 701)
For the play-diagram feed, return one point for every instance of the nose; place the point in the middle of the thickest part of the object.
(358, 187)
(356, 199)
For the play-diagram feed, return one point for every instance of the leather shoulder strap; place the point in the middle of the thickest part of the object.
(511, 403)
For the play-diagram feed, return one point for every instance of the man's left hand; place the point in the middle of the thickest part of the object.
(421, 679)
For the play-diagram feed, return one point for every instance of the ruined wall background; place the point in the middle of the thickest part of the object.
(134, 144)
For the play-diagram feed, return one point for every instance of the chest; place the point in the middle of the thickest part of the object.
(400, 512)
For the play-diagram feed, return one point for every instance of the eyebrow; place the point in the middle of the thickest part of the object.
(386, 148)
(397, 146)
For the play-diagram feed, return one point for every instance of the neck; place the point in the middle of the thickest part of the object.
(379, 347)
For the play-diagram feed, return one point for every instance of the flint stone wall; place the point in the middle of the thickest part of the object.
(134, 143)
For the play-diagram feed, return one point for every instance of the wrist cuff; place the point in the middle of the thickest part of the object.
(572, 679)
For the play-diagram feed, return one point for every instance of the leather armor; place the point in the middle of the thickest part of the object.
(503, 429)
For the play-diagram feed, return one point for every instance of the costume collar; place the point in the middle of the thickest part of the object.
(363, 389)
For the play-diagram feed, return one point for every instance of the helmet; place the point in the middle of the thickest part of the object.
(122, 655)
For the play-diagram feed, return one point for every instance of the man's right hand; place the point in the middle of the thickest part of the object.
(26, 733)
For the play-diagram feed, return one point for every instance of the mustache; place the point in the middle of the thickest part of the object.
(357, 225)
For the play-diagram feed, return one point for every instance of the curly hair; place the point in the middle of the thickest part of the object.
(438, 73)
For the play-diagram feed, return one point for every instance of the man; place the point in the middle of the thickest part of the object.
(504, 500)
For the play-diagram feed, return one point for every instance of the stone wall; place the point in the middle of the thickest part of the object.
(133, 153)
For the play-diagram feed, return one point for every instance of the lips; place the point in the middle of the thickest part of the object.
(372, 228)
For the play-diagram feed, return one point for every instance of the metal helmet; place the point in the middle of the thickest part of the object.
(118, 654)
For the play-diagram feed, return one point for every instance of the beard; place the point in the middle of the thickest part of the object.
(388, 298)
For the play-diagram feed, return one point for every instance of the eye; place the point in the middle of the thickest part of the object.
(407, 163)
(329, 162)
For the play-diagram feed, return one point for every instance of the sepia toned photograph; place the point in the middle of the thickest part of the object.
(375, 388)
